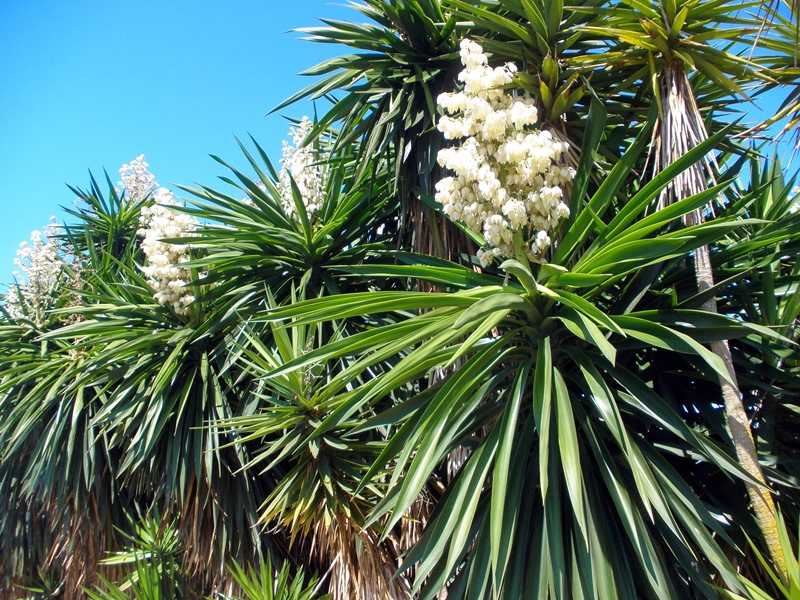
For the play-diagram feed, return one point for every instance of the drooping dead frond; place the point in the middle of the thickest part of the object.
(80, 541)
(360, 568)
(681, 128)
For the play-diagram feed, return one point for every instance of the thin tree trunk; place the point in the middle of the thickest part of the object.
(681, 130)
(739, 425)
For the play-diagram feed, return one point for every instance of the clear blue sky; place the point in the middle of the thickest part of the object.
(93, 84)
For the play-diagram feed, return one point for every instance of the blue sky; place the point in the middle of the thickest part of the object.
(88, 85)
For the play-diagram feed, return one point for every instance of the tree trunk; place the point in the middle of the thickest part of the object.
(681, 129)
(739, 425)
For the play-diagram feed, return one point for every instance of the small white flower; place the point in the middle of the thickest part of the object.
(540, 243)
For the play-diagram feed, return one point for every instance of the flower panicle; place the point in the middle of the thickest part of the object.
(48, 265)
(164, 261)
(136, 182)
(302, 164)
(507, 175)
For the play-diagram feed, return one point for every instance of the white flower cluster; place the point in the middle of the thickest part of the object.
(163, 265)
(508, 175)
(136, 181)
(43, 274)
(301, 164)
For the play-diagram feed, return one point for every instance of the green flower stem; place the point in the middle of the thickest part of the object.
(519, 250)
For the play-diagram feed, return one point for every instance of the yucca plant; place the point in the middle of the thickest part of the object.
(300, 387)
(139, 381)
(672, 40)
(281, 250)
(316, 499)
(264, 582)
(569, 491)
(154, 550)
(54, 469)
(163, 377)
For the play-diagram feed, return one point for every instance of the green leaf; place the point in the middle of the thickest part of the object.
(500, 301)
(585, 329)
(502, 523)
(581, 305)
(655, 334)
(569, 452)
(585, 216)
